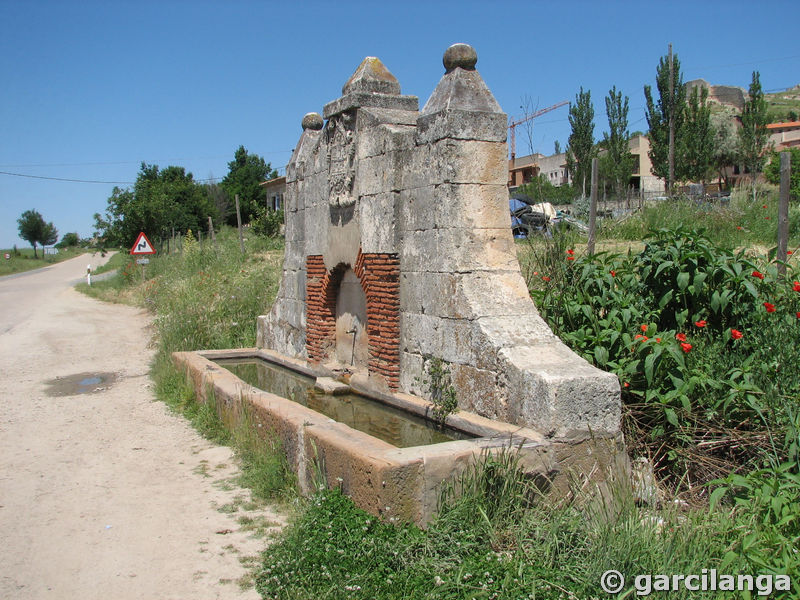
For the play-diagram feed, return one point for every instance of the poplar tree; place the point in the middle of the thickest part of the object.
(658, 114)
(580, 149)
(697, 138)
(753, 134)
(620, 160)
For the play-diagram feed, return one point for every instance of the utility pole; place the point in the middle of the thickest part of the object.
(592, 210)
(783, 212)
(239, 223)
(671, 180)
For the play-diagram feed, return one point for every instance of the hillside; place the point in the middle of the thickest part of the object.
(785, 105)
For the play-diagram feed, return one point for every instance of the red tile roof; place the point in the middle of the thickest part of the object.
(782, 125)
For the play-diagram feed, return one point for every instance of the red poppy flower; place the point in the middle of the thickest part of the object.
(736, 334)
(770, 307)
(570, 258)
(658, 339)
(626, 384)
(758, 274)
(639, 336)
(545, 278)
(643, 327)
(681, 337)
(798, 315)
(765, 206)
(739, 227)
(570, 251)
(686, 347)
(701, 323)
(789, 252)
(613, 273)
(767, 218)
(796, 286)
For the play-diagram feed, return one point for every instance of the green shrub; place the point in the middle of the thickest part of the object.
(773, 171)
(267, 222)
(702, 339)
(496, 536)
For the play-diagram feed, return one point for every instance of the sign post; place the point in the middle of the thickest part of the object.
(140, 247)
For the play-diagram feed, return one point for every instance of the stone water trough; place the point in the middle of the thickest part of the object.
(399, 256)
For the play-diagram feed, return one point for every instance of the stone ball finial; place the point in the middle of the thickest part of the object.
(460, 55)
(313, 121)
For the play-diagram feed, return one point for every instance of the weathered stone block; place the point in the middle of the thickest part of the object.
(377, 223)
(385, 139)
(477, 391)
(470, 161)
(462, 125)
(459, 250)
(557, 392)
(355, 100)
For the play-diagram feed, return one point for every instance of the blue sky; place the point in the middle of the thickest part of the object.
(92, 89)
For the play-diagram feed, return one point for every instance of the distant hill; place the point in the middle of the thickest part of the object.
(781, 106)
(785, 105)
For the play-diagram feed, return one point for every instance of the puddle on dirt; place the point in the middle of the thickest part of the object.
(80, 383)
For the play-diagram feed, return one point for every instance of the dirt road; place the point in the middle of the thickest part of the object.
(105, 493)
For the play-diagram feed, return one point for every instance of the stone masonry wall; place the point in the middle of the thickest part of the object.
(415, 202)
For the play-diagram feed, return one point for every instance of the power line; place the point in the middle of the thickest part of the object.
(88, 180)
(755, 62)
(65, 179)
(127, 162)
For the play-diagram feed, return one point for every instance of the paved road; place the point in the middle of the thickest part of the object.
(103, 494)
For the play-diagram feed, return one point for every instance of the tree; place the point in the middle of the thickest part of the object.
(69, 240)
(696, 145)
(218, 198)
(670, 106)
(557, 147)
(161, 201)
(753, 133)
(33, 229)
(725, 143)
(620, 160)
(773, 171)
(49, 235)
(580, 148)
(245, 173)
(541, 190)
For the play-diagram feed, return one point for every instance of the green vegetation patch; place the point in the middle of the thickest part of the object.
(23, 260)
(498, 538)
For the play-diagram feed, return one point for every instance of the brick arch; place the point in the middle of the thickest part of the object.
(379, 275)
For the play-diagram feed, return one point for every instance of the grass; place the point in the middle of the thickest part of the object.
(116, 261)
(23, 260)
(498, 538)
(739, 223)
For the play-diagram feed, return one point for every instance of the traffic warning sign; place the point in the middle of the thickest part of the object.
(142, 245)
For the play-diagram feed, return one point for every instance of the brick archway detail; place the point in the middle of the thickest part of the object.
(379, 275)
